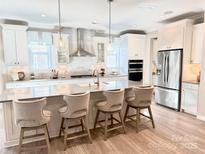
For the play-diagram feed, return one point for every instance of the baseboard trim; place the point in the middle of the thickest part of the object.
(201, 117)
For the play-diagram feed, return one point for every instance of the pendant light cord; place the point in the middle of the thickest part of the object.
(110, 9)
(59, 17)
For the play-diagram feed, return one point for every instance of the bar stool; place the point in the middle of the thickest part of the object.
(76, 109)
(112, 104)
(29, 115)
(142, 100)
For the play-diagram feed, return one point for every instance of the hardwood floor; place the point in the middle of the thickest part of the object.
(174, 133)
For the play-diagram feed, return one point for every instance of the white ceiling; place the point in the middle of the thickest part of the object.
(127, 14)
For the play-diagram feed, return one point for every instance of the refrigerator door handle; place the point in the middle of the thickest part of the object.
(164, 68)
(167, 68)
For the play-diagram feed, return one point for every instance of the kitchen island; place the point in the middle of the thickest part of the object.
(54, 94)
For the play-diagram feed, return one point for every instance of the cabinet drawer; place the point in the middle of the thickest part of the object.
(190, 86)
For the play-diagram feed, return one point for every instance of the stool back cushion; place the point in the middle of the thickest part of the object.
(77, 103)
(143, 95)
(114, 99)
(29, 110)
(129, 93)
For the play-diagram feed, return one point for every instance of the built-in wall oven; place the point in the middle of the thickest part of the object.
(135, 70)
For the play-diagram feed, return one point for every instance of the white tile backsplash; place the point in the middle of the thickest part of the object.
(84, 64)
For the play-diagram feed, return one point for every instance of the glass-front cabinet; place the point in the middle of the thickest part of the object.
(61, 54)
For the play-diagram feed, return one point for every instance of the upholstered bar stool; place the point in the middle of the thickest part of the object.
(29, 115)
(141, 100)
(76, 109)
(112, 104)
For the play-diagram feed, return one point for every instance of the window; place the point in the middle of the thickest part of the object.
(40, 51)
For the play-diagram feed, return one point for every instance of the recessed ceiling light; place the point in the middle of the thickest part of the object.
(94, 22)
(43, 15)
(168, 12)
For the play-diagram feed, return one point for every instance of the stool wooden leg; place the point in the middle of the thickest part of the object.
(65, 133)
(62, 122)
(106, 121)
(21, 140)
(137, 118)
(47, 137)
(151, 116)
(111, 117)
(122, 121)
(48, 133)
(96, 118)
(81, 121)
(126, 112)
(85, 122)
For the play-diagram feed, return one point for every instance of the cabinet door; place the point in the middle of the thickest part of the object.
(140, 47)
(9, 45)
(21, 47)
(176, 37)
(190, 98)
(197, 44)
(171, 37)
(132, 46)
(136, 46)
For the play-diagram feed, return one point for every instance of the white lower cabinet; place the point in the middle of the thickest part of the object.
(189, 99)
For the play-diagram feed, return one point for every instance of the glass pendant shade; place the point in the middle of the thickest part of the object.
(61, 44)
(110, 47)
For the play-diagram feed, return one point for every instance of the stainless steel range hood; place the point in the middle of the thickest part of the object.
(81, 45)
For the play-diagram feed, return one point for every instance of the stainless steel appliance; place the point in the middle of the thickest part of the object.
(169, 76)
(135, 70)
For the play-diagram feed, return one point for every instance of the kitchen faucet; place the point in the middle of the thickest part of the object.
(96, 74)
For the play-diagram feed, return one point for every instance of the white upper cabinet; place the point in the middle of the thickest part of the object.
(171, 37)
(135, 45)
(9, 45)
(197, 43)
(177, 35)
(15, 44)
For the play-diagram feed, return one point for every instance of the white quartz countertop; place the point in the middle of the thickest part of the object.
(63, 88)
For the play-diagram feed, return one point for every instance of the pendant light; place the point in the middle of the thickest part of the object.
(110, 48)
(60, 41)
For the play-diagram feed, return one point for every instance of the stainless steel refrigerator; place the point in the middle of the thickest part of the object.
(168, 80)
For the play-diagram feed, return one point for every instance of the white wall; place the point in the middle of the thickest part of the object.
(201, 102)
